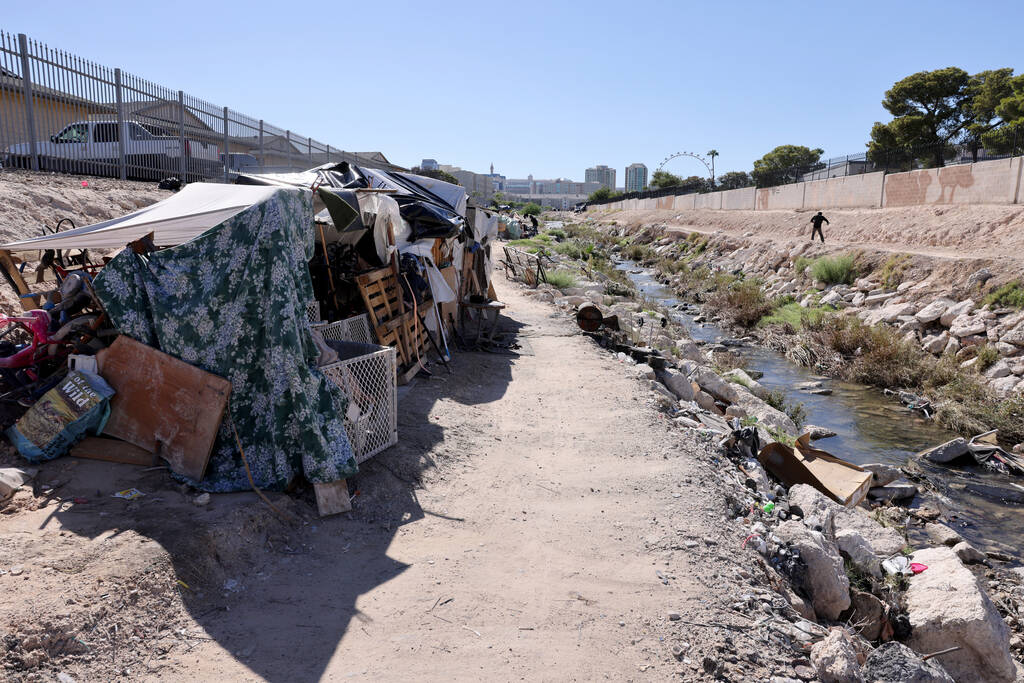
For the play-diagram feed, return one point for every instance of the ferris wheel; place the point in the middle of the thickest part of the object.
(709, 166)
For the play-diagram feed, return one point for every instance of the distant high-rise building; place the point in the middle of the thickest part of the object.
(636, 177)
(601, 174)
(429, 165)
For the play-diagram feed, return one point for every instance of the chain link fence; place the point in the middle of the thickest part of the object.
(62, 113)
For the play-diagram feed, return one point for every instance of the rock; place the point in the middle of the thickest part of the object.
(968, 554)
(685, 348)
(835, 658)
(894, 662)
(951, 450)
(859, 552)
(662, 390)
(933, 311)
(953, 346)
(942, 534)
(957, 309)
(967, 325)
(201, 500)
(832, 298)
(706, 402)
(1004, 386)
(885, 541)
(858, 299)
(947, 608)
(868, 613)
(743, 379)
(735, 411)
(674, 616)
(826, 580)
(935, 343)
(645, 371)
(1015, 336)
(724, 391)
(889, 314)
(883, 474)
(818, 510)
(817, 432)
(979, 278)
(873, 299)
(999, 369)
(764, 413)
(893, 492)
(678, 383)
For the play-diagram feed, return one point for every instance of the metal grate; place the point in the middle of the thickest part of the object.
(370, 383)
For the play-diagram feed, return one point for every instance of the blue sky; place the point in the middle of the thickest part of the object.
(547, 88)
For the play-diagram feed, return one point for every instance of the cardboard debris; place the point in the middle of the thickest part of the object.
(163, 405)
(841, 481)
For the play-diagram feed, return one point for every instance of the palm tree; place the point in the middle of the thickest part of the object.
(713, 153)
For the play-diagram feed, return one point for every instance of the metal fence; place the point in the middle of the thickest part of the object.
(60, 112)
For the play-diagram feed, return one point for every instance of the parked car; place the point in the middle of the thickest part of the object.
(94, 147)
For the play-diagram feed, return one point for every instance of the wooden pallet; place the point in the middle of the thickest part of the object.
(392, 322)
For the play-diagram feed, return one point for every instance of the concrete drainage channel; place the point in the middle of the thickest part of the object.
(869, 427)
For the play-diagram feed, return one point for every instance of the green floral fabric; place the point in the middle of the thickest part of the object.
(232, 301)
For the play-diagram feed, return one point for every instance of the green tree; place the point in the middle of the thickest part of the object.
(437, 174)
(785, 164)
(599, 195)
(734, 180)
(1009, 136)
(531, 209)
(662, 179)
(930, 109)
(987, 90)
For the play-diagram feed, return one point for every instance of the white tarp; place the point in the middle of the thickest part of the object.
(177, 219)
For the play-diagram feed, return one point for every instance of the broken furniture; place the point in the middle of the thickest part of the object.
(486, 314)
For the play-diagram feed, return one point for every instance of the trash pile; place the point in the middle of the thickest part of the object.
(249, 335)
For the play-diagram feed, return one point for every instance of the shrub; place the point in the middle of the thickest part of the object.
(796, 411)
(834, 270)
(886, 360)
(801, 264)
(560, 279)
(742, 303)
(640, 253)
(1010, 295)
(557, 233)
(893, 270)
(793, 316)
(987, 357)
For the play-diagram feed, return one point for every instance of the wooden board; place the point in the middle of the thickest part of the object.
(113, 450)
(163, 405)
(332, 498)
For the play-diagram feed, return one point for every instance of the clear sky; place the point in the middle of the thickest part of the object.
(547, 88)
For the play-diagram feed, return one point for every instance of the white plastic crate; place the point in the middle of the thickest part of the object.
(313, 313)
(370, 383)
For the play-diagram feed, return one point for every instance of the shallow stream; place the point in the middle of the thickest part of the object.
(872, 427)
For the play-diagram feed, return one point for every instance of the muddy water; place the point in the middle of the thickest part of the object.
(872, 427)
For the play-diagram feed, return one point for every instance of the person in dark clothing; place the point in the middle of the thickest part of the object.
(533, 221)
(817, 220)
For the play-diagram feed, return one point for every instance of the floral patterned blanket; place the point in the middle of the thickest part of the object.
(232, 302)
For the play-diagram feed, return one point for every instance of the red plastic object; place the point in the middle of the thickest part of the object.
(917, 567)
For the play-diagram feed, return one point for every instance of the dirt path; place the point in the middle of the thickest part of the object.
(539, 520)
(550, 542)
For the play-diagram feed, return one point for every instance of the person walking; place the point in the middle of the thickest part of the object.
(817, 220)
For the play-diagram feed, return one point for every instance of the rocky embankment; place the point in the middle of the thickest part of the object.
(859, 603)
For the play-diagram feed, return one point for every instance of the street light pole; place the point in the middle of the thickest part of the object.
(713, 153)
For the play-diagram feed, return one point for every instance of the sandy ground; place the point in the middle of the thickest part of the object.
(973, 231)
(538, 520)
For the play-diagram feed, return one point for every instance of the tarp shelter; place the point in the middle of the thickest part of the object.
(177, 219)
(230, 299)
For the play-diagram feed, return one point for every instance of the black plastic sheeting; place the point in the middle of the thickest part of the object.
(429, 215)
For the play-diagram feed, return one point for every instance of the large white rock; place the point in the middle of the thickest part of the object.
(1014, 336)
(966, 325)
(954, 310)
(935, 343)
(942, 534)
(678, 383)
(819, 511)
(859, 552)
(947, 608)
(835, 658)
(884, 540)
(933, 311)
(740, 377)
(894, 661)
(890, 313)
(827, 583)
(999, 369)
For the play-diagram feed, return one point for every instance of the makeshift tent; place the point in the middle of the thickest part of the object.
(232, 301)
(179, 218)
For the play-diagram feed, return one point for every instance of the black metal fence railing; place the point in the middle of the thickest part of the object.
(62, 113)
(886, 161)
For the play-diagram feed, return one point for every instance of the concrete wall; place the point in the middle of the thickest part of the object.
(846, 192)
(742, 198)
(988, 182)
(781, 197)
